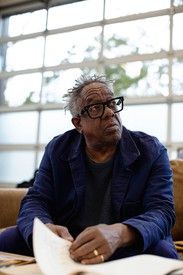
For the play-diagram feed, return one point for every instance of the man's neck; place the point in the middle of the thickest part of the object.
(102, 155)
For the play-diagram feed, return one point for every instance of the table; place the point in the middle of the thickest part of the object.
(28, 269)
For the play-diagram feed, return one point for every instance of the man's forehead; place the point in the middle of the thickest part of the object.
(96, 87)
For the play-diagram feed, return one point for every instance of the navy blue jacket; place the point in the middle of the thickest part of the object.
(141, 187)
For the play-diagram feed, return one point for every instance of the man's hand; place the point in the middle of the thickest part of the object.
(61, 231)
(101, 239)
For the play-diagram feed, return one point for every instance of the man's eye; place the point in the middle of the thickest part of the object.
(113, 103)
(95, 108)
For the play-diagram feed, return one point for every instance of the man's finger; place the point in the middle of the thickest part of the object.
(96, 260)
(64, 233)
(82, 238)
(84, 250)
(100, 250)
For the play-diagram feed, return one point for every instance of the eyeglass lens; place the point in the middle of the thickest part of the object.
(97, 110)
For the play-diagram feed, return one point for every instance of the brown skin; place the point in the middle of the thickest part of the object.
(101, 136)
(60, 231)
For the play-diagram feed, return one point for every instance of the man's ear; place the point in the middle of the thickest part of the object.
(76, 121)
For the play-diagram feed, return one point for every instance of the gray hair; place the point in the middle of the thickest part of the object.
(75, 93)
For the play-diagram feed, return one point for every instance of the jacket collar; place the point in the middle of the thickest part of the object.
(127, 148)
(77, 147)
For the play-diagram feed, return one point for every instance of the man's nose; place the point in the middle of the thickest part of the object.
(108, 112)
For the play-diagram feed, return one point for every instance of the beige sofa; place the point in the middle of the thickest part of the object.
(10, 202)
(10, 199)
(177, 167)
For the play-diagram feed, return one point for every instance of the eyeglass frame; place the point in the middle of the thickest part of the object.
(104, 104)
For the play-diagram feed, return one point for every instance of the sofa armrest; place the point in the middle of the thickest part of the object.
(10, 199)
(177, 167)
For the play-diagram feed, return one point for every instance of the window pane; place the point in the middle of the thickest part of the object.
(151, 119)
(27, 23)
(177, 38)
(54, 123)
(180, 152)
(177, 125)
(177, 73)
(75, 13)
(140, 78)
(25, 54)
(71, 47)
(140, 36)
(178, 3)
(16, 166)
(21, 90)
(172, 154)
(117, 8)
(18, 127)
(2, 55)
(56, 84)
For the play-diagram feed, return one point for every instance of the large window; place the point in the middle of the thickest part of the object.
(138, 44)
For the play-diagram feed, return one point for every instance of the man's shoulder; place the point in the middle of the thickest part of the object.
(143, 137)
(145, 142)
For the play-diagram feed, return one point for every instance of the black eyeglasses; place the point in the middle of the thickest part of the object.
(97, 110)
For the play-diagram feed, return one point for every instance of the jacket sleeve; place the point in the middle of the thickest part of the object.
(158, 216)
(39, 200)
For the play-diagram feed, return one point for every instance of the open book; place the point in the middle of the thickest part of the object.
(52, 256)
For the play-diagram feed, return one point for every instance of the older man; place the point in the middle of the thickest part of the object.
(105, 188)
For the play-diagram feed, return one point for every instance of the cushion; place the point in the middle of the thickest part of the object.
(177, 167)
(10, 199)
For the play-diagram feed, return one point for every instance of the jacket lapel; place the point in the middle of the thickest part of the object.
(78, 169)
(123, 171)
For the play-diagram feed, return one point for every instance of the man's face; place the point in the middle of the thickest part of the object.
(102, 131)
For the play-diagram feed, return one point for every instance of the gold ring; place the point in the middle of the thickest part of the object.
(95, 252)
(102, 257)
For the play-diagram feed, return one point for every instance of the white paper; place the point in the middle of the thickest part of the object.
(52, 255)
